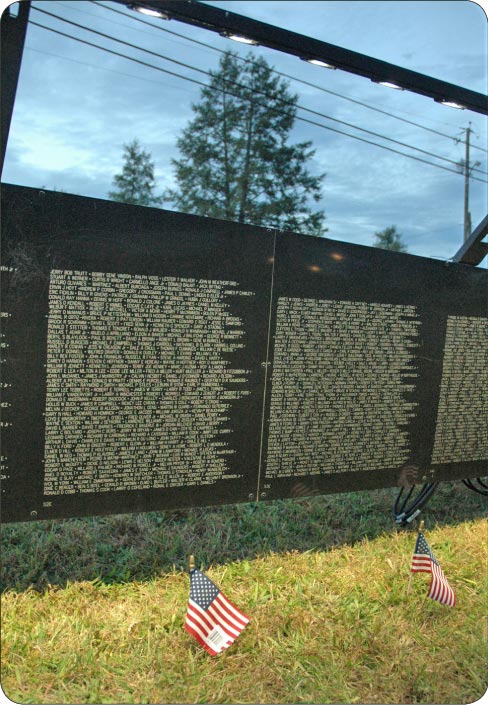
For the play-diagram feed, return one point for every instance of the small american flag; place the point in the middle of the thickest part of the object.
(423, 561)
(211, 618)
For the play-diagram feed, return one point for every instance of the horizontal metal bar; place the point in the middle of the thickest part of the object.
(474, 250)
(222, 21)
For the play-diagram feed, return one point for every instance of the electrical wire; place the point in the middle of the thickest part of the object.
(238, 85)
(280, 112)
(403, 512)
(180, 63)
(480, 488)
(117, 53)
(94, 66)
(292, 78)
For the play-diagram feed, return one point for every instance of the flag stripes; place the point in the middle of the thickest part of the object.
(440, 589)
(423, 561)
(420, 564)
(211, 618)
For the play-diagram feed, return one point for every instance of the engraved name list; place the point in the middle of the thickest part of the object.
(342, 378)
(140, 380)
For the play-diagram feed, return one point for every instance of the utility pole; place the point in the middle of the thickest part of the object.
(466, 167)
(467, 214)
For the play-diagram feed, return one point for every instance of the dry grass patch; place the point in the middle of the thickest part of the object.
(326, 627)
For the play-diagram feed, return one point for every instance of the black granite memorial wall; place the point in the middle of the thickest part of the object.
(156, 360)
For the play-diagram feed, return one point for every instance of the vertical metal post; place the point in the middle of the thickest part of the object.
(13, 29)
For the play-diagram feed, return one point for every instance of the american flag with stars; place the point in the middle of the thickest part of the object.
(423, 561)
(211, 618)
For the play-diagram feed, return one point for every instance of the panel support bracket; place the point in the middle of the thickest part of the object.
(474, 250)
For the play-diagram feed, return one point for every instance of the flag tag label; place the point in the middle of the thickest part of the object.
(217, 638)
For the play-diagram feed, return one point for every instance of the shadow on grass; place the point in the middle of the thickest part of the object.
(127, 547)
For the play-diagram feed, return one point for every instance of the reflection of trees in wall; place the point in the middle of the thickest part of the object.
(235, 160)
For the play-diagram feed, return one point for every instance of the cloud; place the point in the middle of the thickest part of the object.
(69, 129)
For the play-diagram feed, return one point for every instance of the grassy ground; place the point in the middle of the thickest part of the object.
(323, 580)
(140, 546)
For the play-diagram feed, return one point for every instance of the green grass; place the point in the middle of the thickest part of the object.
(323, 580)
(139, 546)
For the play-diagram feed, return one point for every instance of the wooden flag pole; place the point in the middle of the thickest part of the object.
(409, 587)
(191, 563)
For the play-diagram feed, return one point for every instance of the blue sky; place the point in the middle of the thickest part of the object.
(76, 107)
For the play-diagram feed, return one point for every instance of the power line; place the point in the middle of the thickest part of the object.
(285, 75)
(200, 83)
(117, 53)
(133, 18)
(94, 66)
(238, 85)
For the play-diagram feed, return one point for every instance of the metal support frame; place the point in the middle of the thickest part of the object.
(223, 22)
(473, 251)
(13, 29)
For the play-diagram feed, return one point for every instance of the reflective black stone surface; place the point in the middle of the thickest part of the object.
(155, 360)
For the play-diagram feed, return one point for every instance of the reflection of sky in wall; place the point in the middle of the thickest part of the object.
(76, 106)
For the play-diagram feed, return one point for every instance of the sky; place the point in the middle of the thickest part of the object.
(77, 106)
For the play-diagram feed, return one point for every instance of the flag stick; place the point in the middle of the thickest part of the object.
(191, 563)
(409, 586)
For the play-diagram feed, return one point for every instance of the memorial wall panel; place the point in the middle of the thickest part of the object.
(136, 361)
(379, 369)
(156, 360)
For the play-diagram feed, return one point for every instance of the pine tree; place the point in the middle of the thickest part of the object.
(136, 182)
(389, 239)
(236, 162)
